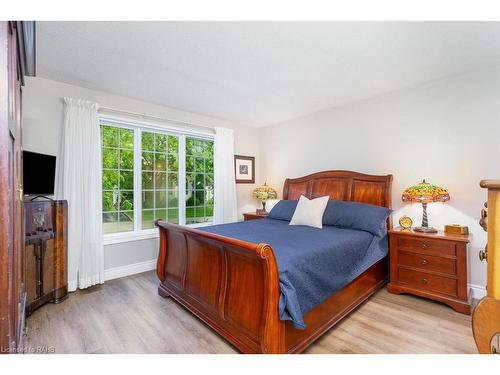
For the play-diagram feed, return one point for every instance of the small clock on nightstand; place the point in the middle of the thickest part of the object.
(405, 222)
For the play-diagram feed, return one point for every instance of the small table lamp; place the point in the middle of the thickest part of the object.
(425, 193)
(264, 193)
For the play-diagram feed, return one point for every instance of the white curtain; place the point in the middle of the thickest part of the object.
(224, 180)
(79, 182)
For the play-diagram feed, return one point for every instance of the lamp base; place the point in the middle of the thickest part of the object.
(425, 229)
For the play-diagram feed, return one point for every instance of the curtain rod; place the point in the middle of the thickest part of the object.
(146, 116)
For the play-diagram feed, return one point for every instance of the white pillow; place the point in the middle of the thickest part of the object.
(310, 212)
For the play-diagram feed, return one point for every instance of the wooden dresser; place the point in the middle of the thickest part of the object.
(486, 315)
(433, 266)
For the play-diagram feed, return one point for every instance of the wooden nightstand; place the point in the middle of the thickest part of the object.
(430, 265)
(253, 216)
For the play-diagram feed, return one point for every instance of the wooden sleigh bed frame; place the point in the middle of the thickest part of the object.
(233, 285)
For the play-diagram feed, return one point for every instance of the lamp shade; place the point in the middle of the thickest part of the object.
(264, 193)
(425, 193)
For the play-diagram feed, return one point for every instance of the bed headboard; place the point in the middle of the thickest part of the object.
(341, 185)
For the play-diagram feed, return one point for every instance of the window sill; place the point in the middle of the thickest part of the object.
(199, 225)
(114, 238)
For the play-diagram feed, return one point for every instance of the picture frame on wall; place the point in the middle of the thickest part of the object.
(244, 169)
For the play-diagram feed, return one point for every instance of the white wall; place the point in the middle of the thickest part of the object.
(447, 132)
(42, 121)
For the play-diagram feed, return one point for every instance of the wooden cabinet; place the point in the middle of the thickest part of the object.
(430, 265)
(45, 252)
(253, 216)
(486, 315)
(16, 38)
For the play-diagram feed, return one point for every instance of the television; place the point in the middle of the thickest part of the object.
(39, 171)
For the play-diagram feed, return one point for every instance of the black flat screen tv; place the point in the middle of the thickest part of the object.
(39, 172)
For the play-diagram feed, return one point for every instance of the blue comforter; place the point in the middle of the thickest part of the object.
(312, 263)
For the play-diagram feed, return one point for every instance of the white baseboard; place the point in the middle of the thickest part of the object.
(129, 269)
(477, 291)
(72, 285)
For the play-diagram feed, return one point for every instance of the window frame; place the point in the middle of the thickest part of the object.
(118, 169)
(167, 128)
(194, 189)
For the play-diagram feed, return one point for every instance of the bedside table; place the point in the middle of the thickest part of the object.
(433, 266)
(253, 216)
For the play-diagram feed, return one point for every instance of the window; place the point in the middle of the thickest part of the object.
(199, 181)
(153, 173)
(160, 178)
(117, 179)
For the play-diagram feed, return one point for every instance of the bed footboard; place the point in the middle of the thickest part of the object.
(232, 285)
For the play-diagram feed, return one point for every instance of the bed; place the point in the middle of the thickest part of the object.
(232, 283)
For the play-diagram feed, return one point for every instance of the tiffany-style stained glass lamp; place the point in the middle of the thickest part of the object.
(263, 193)
(425, 193)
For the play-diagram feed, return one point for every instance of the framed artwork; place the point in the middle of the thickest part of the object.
(244, 168)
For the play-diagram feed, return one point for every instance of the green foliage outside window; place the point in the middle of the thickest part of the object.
(160, 168)
(199, 180)
(117, 178)
(159, 179)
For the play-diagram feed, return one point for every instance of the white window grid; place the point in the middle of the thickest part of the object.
(142, 126)
(202, 178)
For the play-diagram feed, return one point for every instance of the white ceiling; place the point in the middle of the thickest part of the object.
(259, 73)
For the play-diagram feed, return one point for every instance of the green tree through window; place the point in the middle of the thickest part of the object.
(160, 178)
(199, 181)
(156, 192)
(117, 179)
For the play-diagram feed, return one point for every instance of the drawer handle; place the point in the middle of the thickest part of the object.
(425, 246)
(425, 281)
(424, 262)
(483, 254)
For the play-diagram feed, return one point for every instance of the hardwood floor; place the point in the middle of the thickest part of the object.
(127, 316)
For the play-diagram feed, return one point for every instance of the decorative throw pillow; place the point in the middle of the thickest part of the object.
(270, 203)
(283, 210)
(310, 212)
(355, 215)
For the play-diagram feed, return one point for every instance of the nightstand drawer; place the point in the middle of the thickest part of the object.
(426, 281)
(426, 246)
(428, 262)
